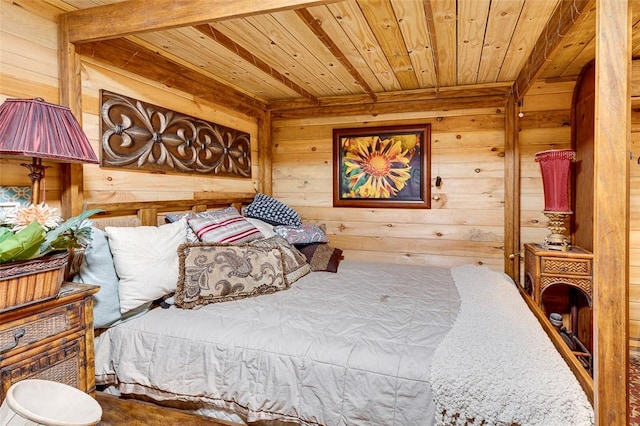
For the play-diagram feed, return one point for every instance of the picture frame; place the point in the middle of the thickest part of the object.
(382, 167)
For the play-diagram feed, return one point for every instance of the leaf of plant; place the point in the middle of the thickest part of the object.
(22, 245)
(70, 223)
(5, 233)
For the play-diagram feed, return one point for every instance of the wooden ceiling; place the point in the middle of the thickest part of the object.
(287, 54)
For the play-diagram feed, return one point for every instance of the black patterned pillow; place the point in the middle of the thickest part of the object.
(272, 211)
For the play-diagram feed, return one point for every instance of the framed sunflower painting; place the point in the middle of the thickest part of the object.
(377, 167)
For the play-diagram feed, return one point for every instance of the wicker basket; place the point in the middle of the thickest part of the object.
(31, 281)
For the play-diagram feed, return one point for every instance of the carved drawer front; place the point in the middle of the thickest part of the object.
(552, 265)
(17, 336)
(62, 363)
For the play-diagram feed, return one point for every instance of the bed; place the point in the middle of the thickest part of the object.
(371, 344)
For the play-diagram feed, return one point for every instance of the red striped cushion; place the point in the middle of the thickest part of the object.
(225, 227)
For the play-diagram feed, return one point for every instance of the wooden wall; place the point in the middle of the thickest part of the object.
(28, 69)
(109, 185)
(634, 234)
(546, 125)
(465, 224)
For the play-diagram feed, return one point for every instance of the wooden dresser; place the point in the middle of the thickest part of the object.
(50, 340)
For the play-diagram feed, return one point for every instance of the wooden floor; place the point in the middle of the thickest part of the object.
(116, 411)
(130, 412)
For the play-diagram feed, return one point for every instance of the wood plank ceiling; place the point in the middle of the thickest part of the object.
(365, 50)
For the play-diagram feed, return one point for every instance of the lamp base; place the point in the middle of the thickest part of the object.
(36, 174)
(557, 240)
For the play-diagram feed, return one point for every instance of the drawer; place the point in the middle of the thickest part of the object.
(554, 265)
(63, 363)
(20, 334)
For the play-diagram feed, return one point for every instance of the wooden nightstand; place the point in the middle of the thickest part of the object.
(51, 340)
(544, 268)
(562, 282)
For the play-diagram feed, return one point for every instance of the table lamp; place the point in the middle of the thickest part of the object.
(37, 129)
(555, 166)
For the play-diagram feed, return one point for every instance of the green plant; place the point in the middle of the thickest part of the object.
(36, 230)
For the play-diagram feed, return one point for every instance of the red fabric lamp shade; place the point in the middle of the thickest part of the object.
(35, 128)
(555, 166)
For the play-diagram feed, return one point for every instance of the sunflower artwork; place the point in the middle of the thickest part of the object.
(383, 167)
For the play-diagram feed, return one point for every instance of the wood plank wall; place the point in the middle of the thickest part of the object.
(546, 124)
(28, 59)
(111, 185)
(29, 69)
(465, 225)
(634, 234)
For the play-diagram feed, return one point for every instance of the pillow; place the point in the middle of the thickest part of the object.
(146, 261)
(174, 217)
(184, 216)
(213, 273)
(322, 257)
(266, 229)
(223, 226)
(303, 234)
(272, 211)
(295, 264)
(97, 268)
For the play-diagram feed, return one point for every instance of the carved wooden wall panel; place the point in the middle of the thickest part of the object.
(141, 136)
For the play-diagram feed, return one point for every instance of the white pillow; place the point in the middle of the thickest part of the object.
(265, 228)
(146, 261)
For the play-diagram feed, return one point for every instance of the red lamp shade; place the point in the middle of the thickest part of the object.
(35, 128)
(556, 166)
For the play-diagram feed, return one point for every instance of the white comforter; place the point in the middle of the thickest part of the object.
(352, 348)
(365, 346)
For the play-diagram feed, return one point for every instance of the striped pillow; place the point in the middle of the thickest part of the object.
(225, 226)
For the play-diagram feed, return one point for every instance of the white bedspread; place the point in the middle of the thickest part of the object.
(498, 366)
(352, 348)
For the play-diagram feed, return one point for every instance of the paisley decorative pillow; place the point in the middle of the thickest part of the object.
(303, 234)
(295, 263)
(212, 273)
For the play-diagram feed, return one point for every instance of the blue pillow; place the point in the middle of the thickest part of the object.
(272, 211)
(97, 268)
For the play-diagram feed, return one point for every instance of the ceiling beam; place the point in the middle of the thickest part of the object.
(428, 12)
(236, 49)
(136, 16)
(550, 42)
(126, 55)
(394, 107)
(316, 26)
(419, 95)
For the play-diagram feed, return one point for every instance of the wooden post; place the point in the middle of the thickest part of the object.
(264, 153)
(511, 192)
(611, 211)
(70, 96)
